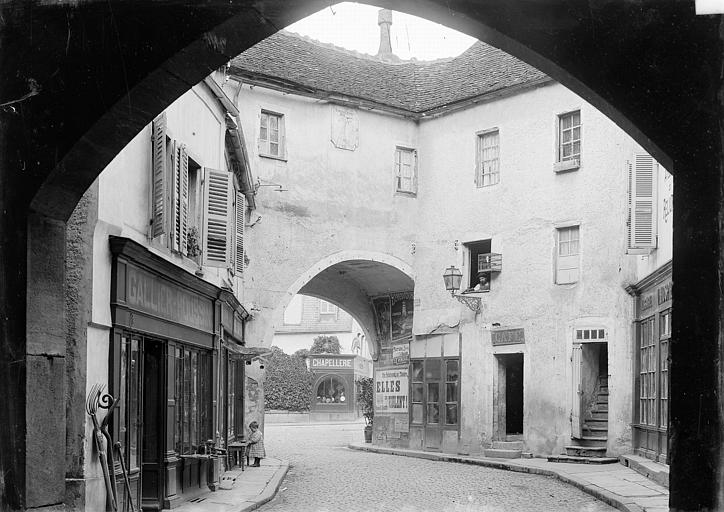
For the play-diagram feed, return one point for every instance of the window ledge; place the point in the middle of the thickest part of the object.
(568, 165)
(405, 193)
(273, 157)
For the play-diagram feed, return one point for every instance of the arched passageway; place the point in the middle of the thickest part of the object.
(82, 78)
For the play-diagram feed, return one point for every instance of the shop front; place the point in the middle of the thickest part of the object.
(333, 391)
(165, 367)
(651, 358)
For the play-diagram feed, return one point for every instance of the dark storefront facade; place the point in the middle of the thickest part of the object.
(333, 391)
(652, 331)
(174, 335)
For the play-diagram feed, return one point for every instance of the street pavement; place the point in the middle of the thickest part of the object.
(325, 475)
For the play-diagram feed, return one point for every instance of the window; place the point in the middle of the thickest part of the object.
(475, 250)
(642, 229)
(487, 161)
(271, 134)
(331, 390)
(664, 336)
(567, 255)
(193, 400)
(569, 136)
(325, 308)
(406, 170)
(435, 391)
(647, 373)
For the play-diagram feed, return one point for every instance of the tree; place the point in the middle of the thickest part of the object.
(302, 352)
(325, 345)
(365, 398)
(288, 384)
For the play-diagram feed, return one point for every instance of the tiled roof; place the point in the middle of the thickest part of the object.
(415, 86)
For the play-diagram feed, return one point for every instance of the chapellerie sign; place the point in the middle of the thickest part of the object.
(324, 362)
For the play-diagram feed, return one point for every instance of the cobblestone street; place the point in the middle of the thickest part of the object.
(326, 476)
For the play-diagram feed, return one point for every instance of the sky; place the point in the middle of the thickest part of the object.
(354, 26)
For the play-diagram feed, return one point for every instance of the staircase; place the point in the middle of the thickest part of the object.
(505, 450)
(591, 447)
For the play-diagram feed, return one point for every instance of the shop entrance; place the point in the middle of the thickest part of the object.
(152, 441)
(508, 398)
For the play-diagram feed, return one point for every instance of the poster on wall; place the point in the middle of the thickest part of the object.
(391, 390)
(401, 354)
(382, 318)
(401, 313)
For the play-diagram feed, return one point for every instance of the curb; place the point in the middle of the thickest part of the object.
(608, 497)
(271, 489)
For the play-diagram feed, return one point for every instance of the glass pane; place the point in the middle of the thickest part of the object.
(274, 149)
(178, 396)
(417, 392)
(576, 148)
(453, 373)
(451, 414)
(432, 369)
(576, 118)
(133, 403)
(433, 413)
(194, 434)
(274, 135)
(601, 334)
(273, 123)
(566, 136)
(566, 121)
(417, 371)
(451, 392)
(121, 435)
(264, 121)
(566, 151)
(433, 392)
(417, 413)
(576, 133)
(186, 399)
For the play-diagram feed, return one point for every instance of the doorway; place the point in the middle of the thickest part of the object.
(508, 398)
(589, 411)
(152, 441)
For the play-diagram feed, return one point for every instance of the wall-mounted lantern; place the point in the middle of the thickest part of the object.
(452, 278)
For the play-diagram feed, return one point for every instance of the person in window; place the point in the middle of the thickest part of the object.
(256, 444)
(483, 283)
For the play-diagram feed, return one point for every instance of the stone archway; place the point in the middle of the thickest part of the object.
(349, 279)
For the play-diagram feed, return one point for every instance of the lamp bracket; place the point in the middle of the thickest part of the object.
(471, 302)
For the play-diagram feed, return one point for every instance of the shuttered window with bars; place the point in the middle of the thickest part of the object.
(217, 198)
(239, 221)
(642, 228)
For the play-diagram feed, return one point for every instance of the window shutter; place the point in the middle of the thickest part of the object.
(183, 213)
(643, 202)
(158, 208)
(414, 171)
(217, 198)
(239, 228)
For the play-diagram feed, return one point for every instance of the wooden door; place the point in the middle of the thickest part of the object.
(576, 391)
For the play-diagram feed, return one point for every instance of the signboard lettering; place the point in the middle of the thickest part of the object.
(391, 390)
(507, 336)
(148, 293)
(647, 302)
(322, 362)
(664, 292)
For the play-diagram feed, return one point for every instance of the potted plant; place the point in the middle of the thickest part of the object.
(365, 400)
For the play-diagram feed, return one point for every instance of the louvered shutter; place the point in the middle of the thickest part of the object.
(643, 203)
(217, 235)
(239, 232)
(158, 208)
(182, 221)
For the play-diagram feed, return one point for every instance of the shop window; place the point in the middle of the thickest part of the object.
(193, 400)
(647, 373)
(128, 413)
(331, 390)
(435, 391)
(487, 165)
(664, 337)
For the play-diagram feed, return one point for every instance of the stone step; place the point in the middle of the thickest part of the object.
(603, 395)
(502, 454)
(582, 460)
(599, 415)
(508, 445)
(601, 407)
(594, 426)
(586, 451)
(588, 440)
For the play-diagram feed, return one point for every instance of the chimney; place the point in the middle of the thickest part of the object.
(384, 20)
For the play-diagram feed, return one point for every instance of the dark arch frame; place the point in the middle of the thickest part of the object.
(88, 75)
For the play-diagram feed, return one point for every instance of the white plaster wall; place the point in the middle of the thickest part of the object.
(336, 199)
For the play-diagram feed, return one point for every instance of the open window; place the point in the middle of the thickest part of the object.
(479, 273)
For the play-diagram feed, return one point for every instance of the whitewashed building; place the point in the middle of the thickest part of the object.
(375, 175)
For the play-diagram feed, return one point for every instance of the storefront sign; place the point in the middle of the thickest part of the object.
(391, 390)
(324, 362)
(148, 293)
(401, 313)
(401, 354)
(402, 424)
(647, 301)
(664, 292)
(507, 336)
